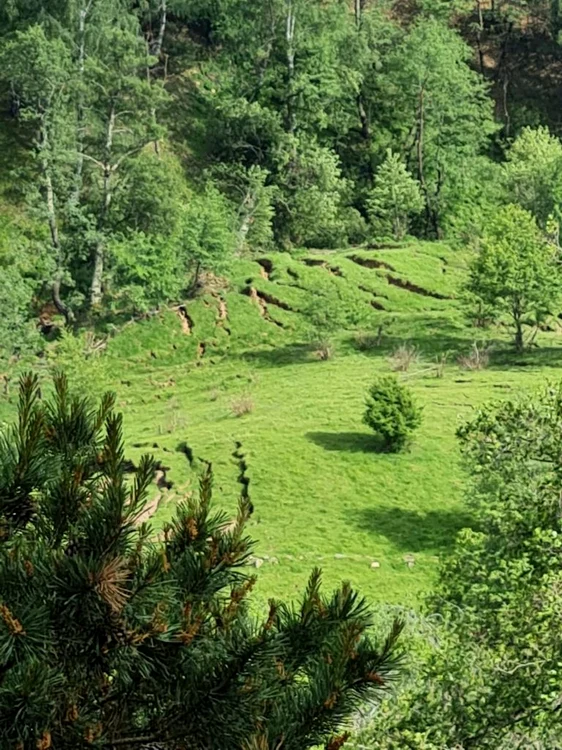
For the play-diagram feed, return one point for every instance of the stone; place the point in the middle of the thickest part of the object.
(274, 561)
(339, 556)
(257, 562)
(375, 564)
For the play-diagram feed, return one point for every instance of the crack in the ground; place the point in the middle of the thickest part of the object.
(319, 263)
(186, 321)
(261, 300)
(371, 291)
(187, 452)
(266, 267)
(410, 287)
(243, 478)
(370, 262)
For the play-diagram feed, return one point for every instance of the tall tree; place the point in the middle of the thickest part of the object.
(121, 102)
(516, 271)
(438, 110)
(40, 72)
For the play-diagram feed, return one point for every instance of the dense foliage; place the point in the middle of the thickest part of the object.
(391, 413)
(111, 638)
(147, 142)
(516, 271)
(489, 673)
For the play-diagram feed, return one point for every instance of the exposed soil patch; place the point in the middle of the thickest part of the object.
(243, 478)
(370, 262)
(404, 284)
(149, 510)
(266, 267)
(163, 484)
(261, 299)
(185, 319)
(162, 481)
(271, 300)
(201, 349)
(377, 305)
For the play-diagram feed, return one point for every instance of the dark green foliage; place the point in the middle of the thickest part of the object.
(392, 413)
(109, 637)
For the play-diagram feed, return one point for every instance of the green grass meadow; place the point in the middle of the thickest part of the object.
(322, 495)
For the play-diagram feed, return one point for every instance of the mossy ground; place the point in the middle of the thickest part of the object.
(322, 494)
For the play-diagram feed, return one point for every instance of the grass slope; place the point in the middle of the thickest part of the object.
(322, 496)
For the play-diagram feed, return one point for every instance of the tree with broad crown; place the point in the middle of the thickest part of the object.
(111, 639)
(516, 272)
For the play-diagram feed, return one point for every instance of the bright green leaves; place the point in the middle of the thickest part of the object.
(515, 272)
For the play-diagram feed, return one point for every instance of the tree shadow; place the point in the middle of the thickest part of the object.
(352, 442)
(291, 354)
(413, 531)
(548, 356)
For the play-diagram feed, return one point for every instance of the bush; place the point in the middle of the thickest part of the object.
(241, 406)
(392, 413)
(477, 359)
(403, 358)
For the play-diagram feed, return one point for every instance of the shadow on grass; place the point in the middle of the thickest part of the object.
(291, 354)
(352, 442)
(549, 356)
(411, 531)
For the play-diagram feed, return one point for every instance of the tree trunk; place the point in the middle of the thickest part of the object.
(518, 335)
(517, 314)
(156, 51)
(555, 18)
(290, 39)
(420, 156)
(358, 10)
(80, 115)
(479, 35)
(157, 48)
(364, 118)
(53, 227)
(99, 253)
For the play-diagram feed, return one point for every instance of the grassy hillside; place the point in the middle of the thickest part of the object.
(322, 496)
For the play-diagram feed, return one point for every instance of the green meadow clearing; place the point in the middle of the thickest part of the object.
(322, 495)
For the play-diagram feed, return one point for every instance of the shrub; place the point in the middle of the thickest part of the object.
(403, 358)
(477, 359)
(242, 405)
(324, 350)
(392, 413)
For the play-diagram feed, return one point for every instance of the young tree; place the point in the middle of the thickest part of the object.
(395, 197)
(533, 173)
(109, 638)
(391, 413)
(516, 271)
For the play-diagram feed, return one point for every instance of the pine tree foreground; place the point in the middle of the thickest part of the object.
(112, 639)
